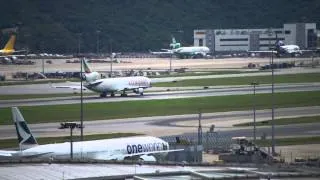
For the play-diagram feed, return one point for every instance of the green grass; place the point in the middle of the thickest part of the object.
(127, 109)
(42, 81)
(284, 121)
(10, 143)
(202, 73)
(290, 78)
(290, 141)
(33, 96)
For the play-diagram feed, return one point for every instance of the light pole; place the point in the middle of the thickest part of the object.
(81, 100)
(98, 32)
(272, 97)
(254, 110)
(170, 70)
(79, 47)
(71, 126)
(200, 129)
(111, 57)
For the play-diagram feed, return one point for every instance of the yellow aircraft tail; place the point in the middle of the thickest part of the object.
(10, 43)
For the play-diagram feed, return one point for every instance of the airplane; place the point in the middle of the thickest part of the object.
(184, 52)
(137, 84)
(8, 50)
(146, 148)
(280, 49)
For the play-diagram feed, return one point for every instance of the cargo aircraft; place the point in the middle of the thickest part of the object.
(8, 50)
(146, 148)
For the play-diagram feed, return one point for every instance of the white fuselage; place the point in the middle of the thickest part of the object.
(192, 50)
(291, 49)
(108, 149)
(119, 84)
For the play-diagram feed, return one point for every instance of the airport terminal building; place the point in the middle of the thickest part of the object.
(241, 40)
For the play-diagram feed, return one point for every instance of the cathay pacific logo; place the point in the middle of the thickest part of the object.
(139, 148)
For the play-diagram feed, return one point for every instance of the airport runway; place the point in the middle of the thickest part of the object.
(179, 124)
(48, 89)
(212, 91)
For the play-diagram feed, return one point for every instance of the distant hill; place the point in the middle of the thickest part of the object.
(138, 25)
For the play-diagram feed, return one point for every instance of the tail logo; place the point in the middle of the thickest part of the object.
(23, 132)
(85, 66)
(24, 135)
(10, 43)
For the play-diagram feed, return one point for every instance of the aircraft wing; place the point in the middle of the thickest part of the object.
(308, 50)
(262, 51)
(11, 55)
(123, 156)
(121, 87)
(21, 154)
(7, 153)
(74, 87)
(158, 80)
(165, 51)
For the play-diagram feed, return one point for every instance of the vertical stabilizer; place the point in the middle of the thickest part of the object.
(25, 136)
(89, 75)
(86, 66)
(174, 44)
(10, 44)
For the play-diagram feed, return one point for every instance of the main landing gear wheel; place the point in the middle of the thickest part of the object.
(112, 94)
(104, 94)
(124, 95)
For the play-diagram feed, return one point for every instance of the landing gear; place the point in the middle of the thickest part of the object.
(103, 95)
(141, 94)
(112, 94)
(123, 94)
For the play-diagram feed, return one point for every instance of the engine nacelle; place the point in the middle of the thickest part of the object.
(91, 76)
(138, 91)
(148, 158)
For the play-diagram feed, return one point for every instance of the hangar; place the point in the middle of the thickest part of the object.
(241, 40)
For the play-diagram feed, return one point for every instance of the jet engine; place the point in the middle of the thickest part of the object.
(91, 76)
(148, 158)
(138, 91)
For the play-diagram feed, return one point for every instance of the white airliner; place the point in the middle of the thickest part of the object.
(137, 84)
(146, 148)
(282, 49)
(184, 52)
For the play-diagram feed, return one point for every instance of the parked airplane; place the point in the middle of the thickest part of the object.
(137, 84)
(184, 52)
(8, 50)
(146, 148)
(280, 49)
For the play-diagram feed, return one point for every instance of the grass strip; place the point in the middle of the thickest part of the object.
(290, 141)
(33, 96)
(288, 78)
(11, 143)
(283, 121)
(24, 82)
(131, 109)
(201, 73)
